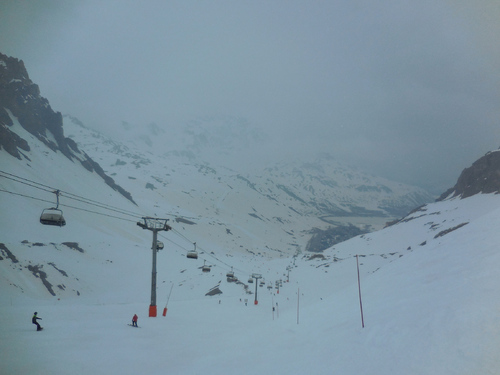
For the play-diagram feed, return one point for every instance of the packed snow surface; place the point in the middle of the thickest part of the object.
(429, 295)
(429, 287)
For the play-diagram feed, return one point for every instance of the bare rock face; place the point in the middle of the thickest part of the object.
(21, 97)
(483, 176)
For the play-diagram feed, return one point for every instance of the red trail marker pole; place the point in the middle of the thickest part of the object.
(168, 299)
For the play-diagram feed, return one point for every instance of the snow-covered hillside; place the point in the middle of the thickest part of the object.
(429, 282)
(429, 287)
(271, 211)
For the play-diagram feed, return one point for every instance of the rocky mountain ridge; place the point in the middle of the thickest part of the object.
(483, 176)
(201, 172)
(297, 198)
(20, 99)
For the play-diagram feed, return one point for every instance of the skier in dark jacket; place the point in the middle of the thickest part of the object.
(34, 321)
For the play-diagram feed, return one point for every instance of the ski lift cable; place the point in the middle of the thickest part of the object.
(65, 205)
(78, 197)
(96, 204)
(102, 205)
(209, 253)
(181, 235)
(26, 196)
(169, 240)
(116, 217)
(69, 195)
(204, 251)
(28, 184)
(107, 207)
(92, 202)
(25, 179)
(97, 213)
(189, 240)
(221, 261)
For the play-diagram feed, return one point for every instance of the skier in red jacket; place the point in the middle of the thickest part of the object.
(134, 320)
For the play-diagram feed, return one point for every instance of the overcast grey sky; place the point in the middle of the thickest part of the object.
(407, 89)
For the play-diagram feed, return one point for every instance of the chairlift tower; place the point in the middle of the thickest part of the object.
(155, 225)
(256, 276)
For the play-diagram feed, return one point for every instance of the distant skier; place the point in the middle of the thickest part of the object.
(134, 320)
(34, 321)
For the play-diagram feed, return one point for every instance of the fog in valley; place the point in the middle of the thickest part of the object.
(405, 90)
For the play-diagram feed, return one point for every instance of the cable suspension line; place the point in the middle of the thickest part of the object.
(26, 196)
(105, 206)
(69, 195)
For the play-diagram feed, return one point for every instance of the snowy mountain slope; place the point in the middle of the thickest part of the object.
(428, 297)
(429, 282)
(432, 305)
(428, 285)
(291, 199)
(48, 253)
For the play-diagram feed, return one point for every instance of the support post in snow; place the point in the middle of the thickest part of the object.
(359, 290)
(155, 225)
(168, 299)
(298, 299)
(272, 305)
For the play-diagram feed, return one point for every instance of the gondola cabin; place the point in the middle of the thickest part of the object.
(250, 280)
(52, 216)
(192, 255)
(230, 274)
(205, 268)
(159, 245)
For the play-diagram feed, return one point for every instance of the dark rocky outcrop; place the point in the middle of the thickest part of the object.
(483, 176)
(323, 239)
(7, 253)
(213, 292)
(21, 97)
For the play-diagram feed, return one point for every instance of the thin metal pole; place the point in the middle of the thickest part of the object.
(298, 298)
(272, 305)
(169, 294)
(256, 301)
(168, 299)
(359, 290)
